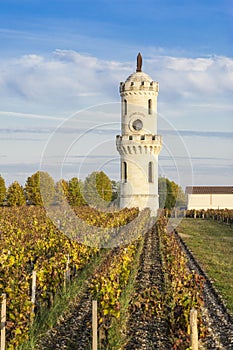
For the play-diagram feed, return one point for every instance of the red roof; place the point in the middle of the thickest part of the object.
(209, 190)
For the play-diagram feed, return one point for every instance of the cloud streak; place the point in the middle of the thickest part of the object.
(198, 133)
(114, 131)
(30, 116)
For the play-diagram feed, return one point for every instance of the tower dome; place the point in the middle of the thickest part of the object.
(139, 77)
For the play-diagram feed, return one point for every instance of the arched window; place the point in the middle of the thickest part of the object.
(150, 172)
(150, 106)
(124, 171)
(125, 107)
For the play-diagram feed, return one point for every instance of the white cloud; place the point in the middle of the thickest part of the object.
(64, 79)
(193, 77)
(67, 78)
(187, 64)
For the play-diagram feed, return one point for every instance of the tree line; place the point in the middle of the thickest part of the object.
(96, 190)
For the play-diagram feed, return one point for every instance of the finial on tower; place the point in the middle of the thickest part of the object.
(139, 62)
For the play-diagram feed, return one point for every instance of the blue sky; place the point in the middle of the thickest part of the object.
(60, 57)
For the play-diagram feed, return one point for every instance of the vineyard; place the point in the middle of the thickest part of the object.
(144, 287)
(223, 215)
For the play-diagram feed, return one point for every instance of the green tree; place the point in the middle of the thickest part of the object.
(61, 191)
(40, 189)
(98, 189)
(75, 197)
(170, 194)
(181, 200)
(15, 195)
(2, 190)
(162, 189)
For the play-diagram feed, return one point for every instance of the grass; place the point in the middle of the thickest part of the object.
(212, 245)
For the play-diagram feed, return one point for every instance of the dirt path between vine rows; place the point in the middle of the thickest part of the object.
(151, 333)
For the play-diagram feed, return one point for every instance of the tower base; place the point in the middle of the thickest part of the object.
(141, 201)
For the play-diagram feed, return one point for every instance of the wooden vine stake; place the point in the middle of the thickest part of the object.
(67, 272)
(59, 224)
(194, 331)
(3, 322)
(33, 297)
(94, 325)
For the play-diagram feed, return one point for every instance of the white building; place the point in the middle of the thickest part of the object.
(139, 144)
(209, 197)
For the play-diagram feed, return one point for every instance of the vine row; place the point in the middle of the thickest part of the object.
(29, 241)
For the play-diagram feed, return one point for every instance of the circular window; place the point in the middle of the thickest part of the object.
(137, 124)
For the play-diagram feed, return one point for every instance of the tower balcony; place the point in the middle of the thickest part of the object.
(139, 144)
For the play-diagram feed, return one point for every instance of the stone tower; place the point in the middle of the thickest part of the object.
(139, 144)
